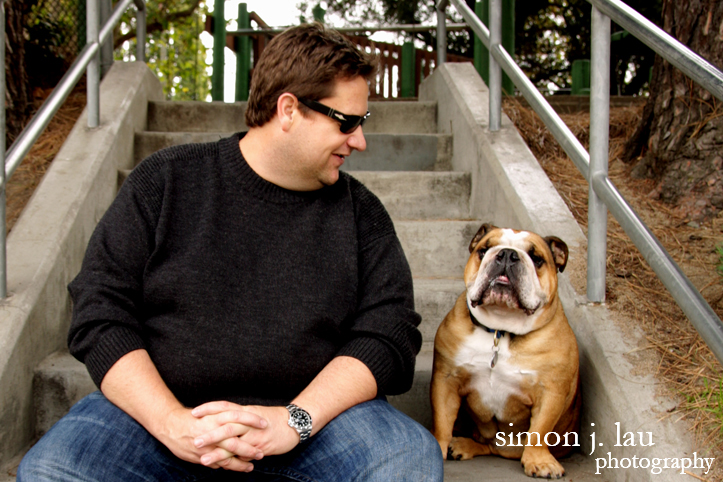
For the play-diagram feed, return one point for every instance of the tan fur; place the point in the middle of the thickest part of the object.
(548, 401)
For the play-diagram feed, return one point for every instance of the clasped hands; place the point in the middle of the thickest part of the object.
(227, 435)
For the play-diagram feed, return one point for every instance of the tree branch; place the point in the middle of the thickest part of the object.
(157, 26)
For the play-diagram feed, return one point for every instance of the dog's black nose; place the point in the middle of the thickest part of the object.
(508, 257)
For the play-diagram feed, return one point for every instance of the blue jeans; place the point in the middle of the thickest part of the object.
(96, 441)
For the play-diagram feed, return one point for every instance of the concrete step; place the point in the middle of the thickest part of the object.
(385, 152)
(415, 402)
(411, 195)
(400, 117)
(433, 298)
(578, 468)
(59, 382)
(420, 195)
(403, 152)
(436, 249)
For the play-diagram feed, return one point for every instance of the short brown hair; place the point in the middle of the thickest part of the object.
(305, 61)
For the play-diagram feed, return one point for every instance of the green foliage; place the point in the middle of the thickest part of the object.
(52, 34)
(709, 399)
(719, 267)
(549, 35)
(174, 50)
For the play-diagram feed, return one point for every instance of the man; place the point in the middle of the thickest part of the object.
(252, 280)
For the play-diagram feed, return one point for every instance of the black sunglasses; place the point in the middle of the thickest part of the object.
(347, 123)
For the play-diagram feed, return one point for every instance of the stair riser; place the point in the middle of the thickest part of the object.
(387, 117)
(397, 152)
(402, 152)
(415, 402)
(413, 195)
(433, 306)
(436, 249)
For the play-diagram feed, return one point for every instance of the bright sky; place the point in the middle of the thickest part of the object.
(276, 13)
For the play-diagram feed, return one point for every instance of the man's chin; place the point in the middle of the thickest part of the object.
(330, 179)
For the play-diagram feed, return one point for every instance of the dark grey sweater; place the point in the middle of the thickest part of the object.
(241, 290)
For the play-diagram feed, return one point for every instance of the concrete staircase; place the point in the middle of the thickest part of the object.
(407, 164)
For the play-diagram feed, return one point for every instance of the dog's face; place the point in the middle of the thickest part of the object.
(511, 276)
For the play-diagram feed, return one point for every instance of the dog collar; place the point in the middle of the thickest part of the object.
(497, 333)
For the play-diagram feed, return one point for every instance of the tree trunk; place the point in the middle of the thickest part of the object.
(18, 101)
(681, 132)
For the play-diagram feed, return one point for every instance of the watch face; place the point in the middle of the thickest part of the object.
(301, 419)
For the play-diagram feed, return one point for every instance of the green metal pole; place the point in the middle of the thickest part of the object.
(508, 41)
(243, 55)
(408, 75)
(319, 13)
(580, 77)
(481, 54)
(219, 43)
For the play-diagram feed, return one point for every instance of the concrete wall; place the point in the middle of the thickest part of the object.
(46, 246)
(510, 189)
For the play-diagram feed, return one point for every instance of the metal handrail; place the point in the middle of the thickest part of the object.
(593, 165)
(89, 58)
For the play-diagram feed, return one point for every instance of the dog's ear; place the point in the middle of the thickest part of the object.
(483, 230)
(559, 252)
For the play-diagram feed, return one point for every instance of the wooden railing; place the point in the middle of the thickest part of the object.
(386, 85)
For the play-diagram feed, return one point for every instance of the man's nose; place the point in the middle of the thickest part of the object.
(356, 140)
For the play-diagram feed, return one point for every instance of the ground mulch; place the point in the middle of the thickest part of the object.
(681, 360)
(28, 175)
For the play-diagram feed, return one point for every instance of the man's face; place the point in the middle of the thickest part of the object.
(322, 146)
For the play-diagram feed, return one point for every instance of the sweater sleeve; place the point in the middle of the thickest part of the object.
(108, 292)
(384, 334)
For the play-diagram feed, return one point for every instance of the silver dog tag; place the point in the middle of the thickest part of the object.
(493, 362)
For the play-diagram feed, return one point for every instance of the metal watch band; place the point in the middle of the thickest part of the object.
(299, 420)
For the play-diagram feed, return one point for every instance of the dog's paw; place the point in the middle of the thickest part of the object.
(542, 466)
(462, 448)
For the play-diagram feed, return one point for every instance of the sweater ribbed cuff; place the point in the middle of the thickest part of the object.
(111, 347)
(378, 357)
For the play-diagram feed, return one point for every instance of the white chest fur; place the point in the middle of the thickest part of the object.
(494, 385)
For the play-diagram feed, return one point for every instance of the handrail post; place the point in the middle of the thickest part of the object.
(92, 30)
(441, 32)
(243, 55)
(140, 31)
(599, 126)
(3, 183)
(495, 104)
(106, 48)
(219, 45)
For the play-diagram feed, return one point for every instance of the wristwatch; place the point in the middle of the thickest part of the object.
(299, 420)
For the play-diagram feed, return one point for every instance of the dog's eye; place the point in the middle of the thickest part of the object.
(538, 261)
(481, 252)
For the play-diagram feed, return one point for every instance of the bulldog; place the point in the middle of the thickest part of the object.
(505, 376)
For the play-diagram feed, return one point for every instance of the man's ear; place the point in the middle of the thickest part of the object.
(287, 107)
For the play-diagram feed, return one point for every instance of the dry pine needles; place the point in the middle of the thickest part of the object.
(685, 364)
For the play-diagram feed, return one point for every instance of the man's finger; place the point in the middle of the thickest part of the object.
(231, 447)
(213, 408)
